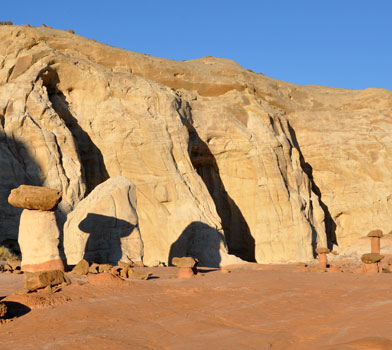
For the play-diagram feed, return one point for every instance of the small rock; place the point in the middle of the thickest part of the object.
(104, 268)
(93, 268)
(81, 268)
(124, 272)
(138, 275)
(185, 262)
(124, 264)
(225, 271)
(115, 270)
(14, 263)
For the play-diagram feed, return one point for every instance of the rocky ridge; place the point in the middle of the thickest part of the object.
(224, 160)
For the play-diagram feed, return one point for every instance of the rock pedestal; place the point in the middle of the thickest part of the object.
(38, 232)
(375, 237)
(39, 241)
(322, 254)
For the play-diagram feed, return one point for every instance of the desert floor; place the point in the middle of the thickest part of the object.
(244, 307)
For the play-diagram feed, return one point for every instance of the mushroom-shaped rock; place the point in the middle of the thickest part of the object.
(371, 262)
(186, 265)
(375, 236)
(34, 197)
(38, 232)
(322, 254)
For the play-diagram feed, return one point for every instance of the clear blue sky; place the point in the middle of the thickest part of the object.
(340, 43)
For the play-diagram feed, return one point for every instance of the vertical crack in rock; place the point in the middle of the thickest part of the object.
(91, 157)
(236, 230)
(330, 225)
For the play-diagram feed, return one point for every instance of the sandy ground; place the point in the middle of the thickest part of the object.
(252, 307)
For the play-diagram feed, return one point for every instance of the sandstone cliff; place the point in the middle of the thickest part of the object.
(224, 160)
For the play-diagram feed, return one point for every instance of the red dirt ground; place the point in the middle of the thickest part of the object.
(253, 307)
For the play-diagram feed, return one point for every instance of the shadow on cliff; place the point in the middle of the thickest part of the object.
(91, 157)
(237, 234)
(200, 241)
(330, 225)
(103, 245)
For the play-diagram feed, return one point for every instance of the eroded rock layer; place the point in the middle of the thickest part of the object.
(258, 168)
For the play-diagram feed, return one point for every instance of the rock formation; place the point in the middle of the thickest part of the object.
(38, 230)
(103, 227)
(224, 160)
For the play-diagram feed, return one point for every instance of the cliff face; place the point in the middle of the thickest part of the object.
(224, 160)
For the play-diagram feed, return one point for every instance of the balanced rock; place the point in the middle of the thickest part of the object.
(34, 197)
(103, 228)
(39, 241)
(38, 280)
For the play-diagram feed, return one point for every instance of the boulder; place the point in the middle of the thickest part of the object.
(81, 268)
(103, 228)
(34, 197)
(42, 279)
(39, 241)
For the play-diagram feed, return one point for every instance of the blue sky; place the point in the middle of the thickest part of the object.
(340, 43)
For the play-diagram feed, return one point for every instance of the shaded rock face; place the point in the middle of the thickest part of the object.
(224, 160)
(103, 227)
